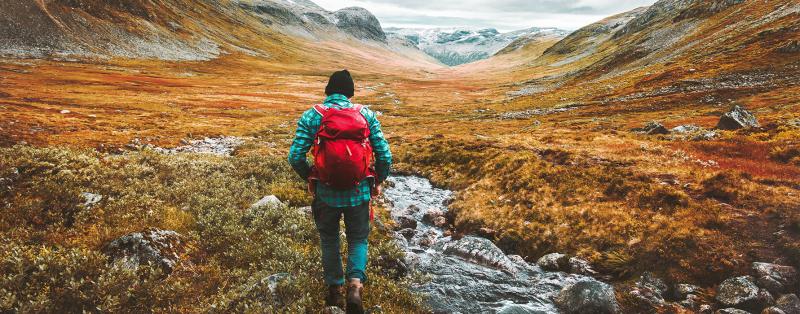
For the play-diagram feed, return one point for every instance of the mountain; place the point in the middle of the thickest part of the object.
(455, 46)
(174, 29)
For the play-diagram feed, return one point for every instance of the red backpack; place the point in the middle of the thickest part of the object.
(342, 151)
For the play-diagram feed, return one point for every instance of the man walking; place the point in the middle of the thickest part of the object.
(345, 138)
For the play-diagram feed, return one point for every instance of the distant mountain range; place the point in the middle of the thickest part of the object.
(455, 46)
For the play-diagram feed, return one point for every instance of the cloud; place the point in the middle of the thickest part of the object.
(505, 15)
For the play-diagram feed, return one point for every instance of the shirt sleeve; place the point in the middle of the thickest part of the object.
(303, 140)
(380, 147)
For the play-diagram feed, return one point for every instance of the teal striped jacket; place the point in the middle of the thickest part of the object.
(307, 128)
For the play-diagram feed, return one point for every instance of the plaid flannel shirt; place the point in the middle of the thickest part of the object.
(307, 128)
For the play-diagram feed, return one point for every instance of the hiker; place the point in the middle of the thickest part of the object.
(343, 180)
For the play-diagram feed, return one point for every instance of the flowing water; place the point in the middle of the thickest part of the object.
(469, 275)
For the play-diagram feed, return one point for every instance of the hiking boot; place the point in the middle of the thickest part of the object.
(354, 305)
(335, 296)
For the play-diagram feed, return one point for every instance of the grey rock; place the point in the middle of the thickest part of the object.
(440, 222)
(775, 278)
(789, 303)
(554, 262)
(737, 118)
(731, 311)
(406, 222)
(580, 267)
(773, 310)
(518, 309)
(431, 215)
(91, 199)
(693, 132)
(160, 248)
(481, 251)
(692, 302)
(426, 239)
(739, 292)
(267, 201)
(650, 290)
(652, 128)
(360, 23)
(587, 296)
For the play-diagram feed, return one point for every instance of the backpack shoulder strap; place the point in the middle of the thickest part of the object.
(322, 110)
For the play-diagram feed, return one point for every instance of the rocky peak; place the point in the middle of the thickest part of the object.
(360, 23)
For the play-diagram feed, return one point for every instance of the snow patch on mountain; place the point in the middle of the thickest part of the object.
(455, 46)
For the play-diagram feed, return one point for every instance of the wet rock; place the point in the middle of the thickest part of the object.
(652, 128)
(431, 216)
(332, 310)
(440, 222)
(789, 303)
(738, 292)
(426, 239)
(554, 262)
(737, 118)
(405, 222)
(160, 248)
(481, 251)
(731, 311)
(267, 201)
(517, 309)
(650, 290)
(775, 278)
(411, 260)
(266, 289)
(587, 296)
(407, 233)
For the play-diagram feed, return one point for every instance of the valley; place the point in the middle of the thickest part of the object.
(547, 145)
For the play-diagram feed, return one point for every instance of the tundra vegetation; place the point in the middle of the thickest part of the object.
(536, 142)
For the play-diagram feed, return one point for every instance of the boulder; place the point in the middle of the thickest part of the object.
(269, 200)
(431, 216)
(407, 233)
(160, 248)
(360, 23)
(580, 267)
(737, 118)
(739, 292)
(554, 262)
(650, 289)
(406, 222)
(775, 278)
(693, 132)
(587, 296)
(481, 251)
(440, 222)
(426, 239)
(652, 128)
(789, 303)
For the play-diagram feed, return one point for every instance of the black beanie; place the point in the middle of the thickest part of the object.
(340, 83)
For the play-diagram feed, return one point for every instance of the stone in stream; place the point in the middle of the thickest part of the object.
(481, 251)
(431, 216)
(775, 278)
(737, 118)
(160, 248)
(588, 296)
(405, 222)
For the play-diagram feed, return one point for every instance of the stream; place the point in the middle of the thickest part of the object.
(469, 275)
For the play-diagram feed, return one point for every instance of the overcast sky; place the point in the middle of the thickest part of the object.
(505, 15)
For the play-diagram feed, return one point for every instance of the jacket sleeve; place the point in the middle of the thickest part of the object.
(380, 147)
(303, 140)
